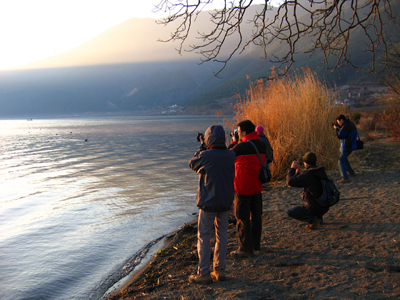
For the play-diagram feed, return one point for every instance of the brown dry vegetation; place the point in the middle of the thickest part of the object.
(297, 113)
(385, 118)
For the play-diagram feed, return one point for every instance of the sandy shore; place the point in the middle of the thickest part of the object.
(354, 255)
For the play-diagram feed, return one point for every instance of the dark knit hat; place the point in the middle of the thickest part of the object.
(310, 158)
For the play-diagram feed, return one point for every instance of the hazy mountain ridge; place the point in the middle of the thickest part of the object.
(95, 89)
(156, 76)
(161, 79)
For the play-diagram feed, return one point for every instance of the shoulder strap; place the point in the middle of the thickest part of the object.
(258, 153)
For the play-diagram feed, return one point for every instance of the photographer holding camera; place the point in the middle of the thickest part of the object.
(310, 180)
(234, 135)
(248, 188)
(346, 131)
(216, 167)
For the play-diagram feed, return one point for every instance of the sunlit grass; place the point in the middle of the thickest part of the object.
(297, 113)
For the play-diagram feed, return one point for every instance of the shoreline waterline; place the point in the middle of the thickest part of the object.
(145, 259)
(146, 256)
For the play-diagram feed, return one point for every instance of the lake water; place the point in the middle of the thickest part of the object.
(81, 197)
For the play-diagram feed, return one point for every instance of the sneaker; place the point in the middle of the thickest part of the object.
(239, 253)
(314, 224)
(218, 275)
(200, 279)
(343, 181)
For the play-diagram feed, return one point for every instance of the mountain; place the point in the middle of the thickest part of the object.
(120, 88)
(124, 43)
(123, 70)
(127, 70)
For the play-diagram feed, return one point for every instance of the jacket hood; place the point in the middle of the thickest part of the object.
(214, 135)
(251, 136)
(316, 171)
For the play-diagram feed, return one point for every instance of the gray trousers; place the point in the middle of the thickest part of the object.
(206, 221)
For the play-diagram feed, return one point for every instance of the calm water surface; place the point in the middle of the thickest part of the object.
(79, 197)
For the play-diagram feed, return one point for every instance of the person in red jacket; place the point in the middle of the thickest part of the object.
(248, 188)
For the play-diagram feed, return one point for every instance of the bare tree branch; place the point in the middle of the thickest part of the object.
(330, 24)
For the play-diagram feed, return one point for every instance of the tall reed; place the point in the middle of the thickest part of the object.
(297, 113)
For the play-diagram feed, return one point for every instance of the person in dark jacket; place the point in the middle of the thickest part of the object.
(310, 180)
(264, 139)
(248, 188)
(346, 131)
(216, 167)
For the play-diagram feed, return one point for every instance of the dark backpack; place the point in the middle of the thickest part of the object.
(330, 194)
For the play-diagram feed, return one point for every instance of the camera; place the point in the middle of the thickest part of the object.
(235, 134)
(200, 137)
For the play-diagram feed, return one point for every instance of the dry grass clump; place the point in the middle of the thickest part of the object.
(392, 123)
(370, 122)
(388, 121)
(297, 113)
(391, 118)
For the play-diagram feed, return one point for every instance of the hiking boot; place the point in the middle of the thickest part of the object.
(239, 253)
(218, 275)
(343, 181)
(200, 279)
(315, 224)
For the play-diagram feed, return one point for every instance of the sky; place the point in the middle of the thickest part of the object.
(31, 30)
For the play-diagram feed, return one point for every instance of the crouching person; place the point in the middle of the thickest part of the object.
(310, 180)
(216, 167)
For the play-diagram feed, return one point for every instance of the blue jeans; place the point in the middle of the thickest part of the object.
(344, 165)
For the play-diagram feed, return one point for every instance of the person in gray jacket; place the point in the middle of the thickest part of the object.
(216, 167)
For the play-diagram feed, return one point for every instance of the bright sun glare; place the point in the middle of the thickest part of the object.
(33, 30)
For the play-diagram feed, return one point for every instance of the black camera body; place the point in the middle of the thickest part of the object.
(200, 137)
(235, 134)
